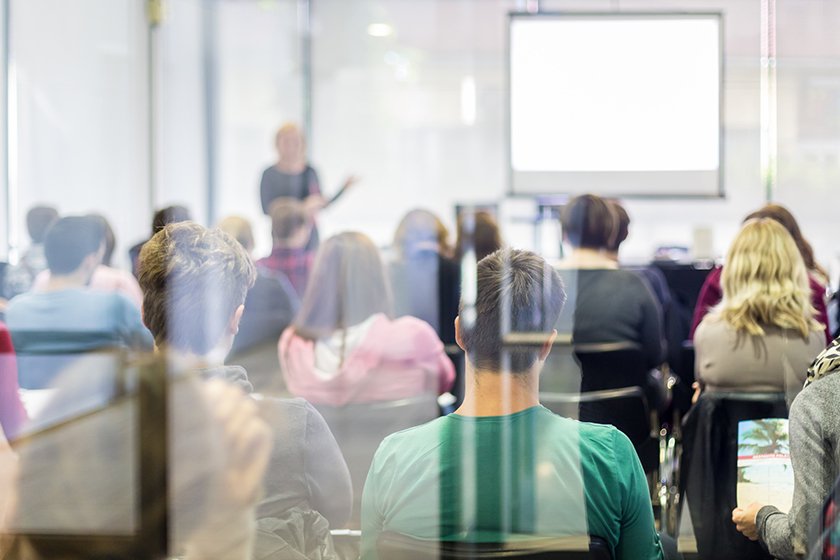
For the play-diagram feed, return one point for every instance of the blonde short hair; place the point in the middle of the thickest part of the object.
(765, 282)
(240, 229)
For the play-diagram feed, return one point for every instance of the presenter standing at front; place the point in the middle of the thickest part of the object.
(293, 177)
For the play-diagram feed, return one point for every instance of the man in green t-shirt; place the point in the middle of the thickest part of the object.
(502, 465)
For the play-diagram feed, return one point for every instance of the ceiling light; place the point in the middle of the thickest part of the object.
(379, 29)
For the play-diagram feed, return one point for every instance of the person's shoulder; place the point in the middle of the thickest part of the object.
(408, 332)
(821, 395)
(415, 439)
(711, 326)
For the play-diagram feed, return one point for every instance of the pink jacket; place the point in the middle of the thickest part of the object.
(396, 359)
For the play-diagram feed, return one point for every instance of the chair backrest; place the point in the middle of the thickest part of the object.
(360, 428)
(611, 365)
(42, 354)
(709, 468)
(394, 546)
(38, 370)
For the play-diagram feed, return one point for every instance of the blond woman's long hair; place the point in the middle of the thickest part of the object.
(765, 282)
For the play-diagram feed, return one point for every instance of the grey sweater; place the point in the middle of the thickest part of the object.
(815, 454)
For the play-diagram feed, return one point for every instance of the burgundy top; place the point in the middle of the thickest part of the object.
(711, 293)
(12, 413)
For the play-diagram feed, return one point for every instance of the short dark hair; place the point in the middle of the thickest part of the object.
(516, 292)
(169, 215)
(193, 279)
(587, 222)
(69, 240)
(38, 221)
(618, 234)
(288, 216)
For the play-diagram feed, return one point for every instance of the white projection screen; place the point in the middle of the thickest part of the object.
(618, 104)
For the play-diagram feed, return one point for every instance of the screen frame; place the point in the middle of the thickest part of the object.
(514, 15)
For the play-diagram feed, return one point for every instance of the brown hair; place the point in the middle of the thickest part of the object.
(516, 292)
(481, 230)
(618, 233)
(765, 282)
(347, 285)
(169, 215)
(420, 229)
(288, 216)
(784, 217)
(193, 280)
(587, 222)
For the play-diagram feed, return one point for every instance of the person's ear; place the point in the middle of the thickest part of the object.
(458, 338)
(546, 347)
(233, 324)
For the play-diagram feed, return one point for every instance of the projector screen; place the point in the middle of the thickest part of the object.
(615, 104)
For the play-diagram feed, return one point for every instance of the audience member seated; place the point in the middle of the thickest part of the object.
(12, 414)
(270, 307)
(290, 231)
(343, 346)
(105, 278)
(762, 335)
(194, 284)
(66, 318)
(815, 456)
(19, 277)
(425, 279)
(653, 275)
(168, 215)
(502, 464)
(477, 231)
(607, 304)
(711, 294)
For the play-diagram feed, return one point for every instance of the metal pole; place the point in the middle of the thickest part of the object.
(769, 145)
(209, 36)
(10, 122)
(154, 13)
(304, 8)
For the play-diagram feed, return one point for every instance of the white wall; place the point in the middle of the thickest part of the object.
(385, 108)
(82, 120)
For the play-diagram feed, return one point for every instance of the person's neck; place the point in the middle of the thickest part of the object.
(490, 393)
(59, 282)
(291, 166)
(287, 245)
(584, 258)
(611, 255)
(184, 361)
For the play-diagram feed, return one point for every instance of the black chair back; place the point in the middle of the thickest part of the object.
(611, 365)
(394, 546)
(606, 367)
(710, 472)
(360, 428)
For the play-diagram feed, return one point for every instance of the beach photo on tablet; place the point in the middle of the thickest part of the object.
(764, 470)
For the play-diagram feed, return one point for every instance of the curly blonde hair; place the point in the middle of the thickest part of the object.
(765, 282)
